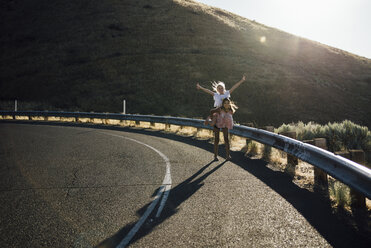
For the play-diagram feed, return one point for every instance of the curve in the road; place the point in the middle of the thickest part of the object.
(243, 199)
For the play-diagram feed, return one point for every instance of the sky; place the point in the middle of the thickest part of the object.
(344, 24)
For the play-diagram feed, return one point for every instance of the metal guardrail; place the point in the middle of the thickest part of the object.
(354, 175)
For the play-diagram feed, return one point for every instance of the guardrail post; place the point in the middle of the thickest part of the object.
(198, 131)
(248, 124)
(269, 128)
(344, 154)
(292, 161)
(358, 200)
(320, 177)
(124, 123)
(267, 151)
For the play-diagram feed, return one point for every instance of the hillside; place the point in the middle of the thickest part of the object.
(89, 55)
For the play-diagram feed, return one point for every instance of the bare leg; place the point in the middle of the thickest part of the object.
(213, 120)
(226, 142)
(216, 142)
(213, 115)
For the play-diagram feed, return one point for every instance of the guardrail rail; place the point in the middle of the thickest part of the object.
(350, 173)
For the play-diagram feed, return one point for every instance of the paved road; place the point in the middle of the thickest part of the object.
(64, 185)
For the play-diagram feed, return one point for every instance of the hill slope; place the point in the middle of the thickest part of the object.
(89, 55)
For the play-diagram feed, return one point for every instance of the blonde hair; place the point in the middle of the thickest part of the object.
(216, 84)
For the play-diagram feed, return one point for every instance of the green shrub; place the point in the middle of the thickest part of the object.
(339, 136)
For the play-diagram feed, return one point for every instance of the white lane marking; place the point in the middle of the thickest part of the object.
(164, 198)
(135, 229)
(165, 187)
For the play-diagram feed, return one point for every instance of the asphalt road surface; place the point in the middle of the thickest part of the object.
(69, 185)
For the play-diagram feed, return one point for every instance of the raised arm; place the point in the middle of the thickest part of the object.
(237, 84)
(199, 87)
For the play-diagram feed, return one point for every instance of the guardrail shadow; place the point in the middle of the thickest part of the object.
(315, 208)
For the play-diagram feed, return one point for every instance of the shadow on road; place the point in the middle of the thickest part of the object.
(177, 196)
(313, 207)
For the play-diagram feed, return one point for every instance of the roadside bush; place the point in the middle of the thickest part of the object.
(339, 136)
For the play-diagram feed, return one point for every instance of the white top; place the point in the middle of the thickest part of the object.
(218, 98)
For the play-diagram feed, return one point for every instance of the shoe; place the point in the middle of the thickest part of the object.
(229, 158)
(216, 159)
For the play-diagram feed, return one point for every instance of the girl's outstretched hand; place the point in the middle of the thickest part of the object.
(243, 77)
(198, 86)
